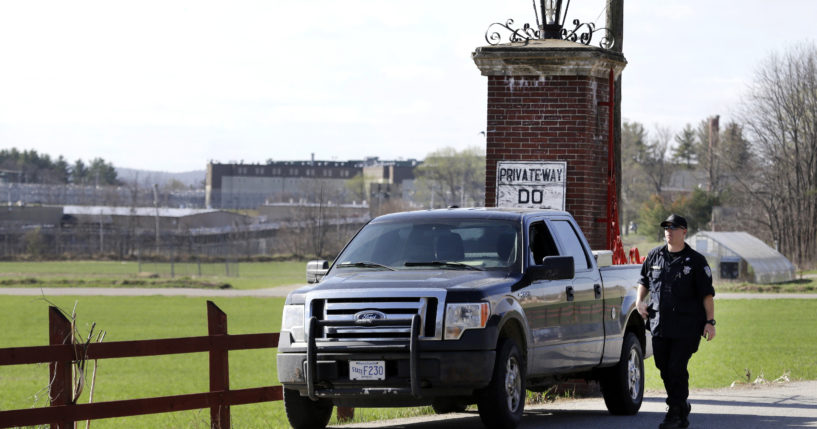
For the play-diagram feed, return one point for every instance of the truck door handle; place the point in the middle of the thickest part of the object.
(597, 290)
(569, 291)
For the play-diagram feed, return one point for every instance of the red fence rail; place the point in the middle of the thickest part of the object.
(61, 353)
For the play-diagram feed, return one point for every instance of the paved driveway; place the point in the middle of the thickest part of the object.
(789, 405)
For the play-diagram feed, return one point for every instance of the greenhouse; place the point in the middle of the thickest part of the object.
(742, 256)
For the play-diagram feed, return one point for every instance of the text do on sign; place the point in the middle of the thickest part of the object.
(531, 184)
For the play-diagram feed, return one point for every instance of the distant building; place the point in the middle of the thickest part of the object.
(741, 256)
(145, 218)
(252, 185)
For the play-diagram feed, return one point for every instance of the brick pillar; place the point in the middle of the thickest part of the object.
(543, 105)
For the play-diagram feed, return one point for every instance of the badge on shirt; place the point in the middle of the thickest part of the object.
(687, 270)
(708, 271)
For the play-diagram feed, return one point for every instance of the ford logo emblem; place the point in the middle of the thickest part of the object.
(367, 315)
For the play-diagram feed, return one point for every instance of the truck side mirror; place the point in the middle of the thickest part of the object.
(552, 268)
(315, 270)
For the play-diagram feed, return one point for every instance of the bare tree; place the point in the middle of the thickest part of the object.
(450, 177)
(655, 159)
(634, 188)
(319, 228)
(780, 116)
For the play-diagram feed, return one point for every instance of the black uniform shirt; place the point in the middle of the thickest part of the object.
(677, 288)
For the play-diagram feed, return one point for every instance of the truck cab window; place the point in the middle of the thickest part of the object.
(541, 243)
(573, 247)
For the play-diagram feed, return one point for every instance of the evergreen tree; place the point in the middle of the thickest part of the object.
(101, 173)
(684, 152)
(79, 172)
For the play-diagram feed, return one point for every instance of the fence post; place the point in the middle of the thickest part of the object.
(60, 389)
(219, 365)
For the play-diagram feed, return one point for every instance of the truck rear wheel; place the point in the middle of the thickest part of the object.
(623, 384)
(502, 402)
(304, 413)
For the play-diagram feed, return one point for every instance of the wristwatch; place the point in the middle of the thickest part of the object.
(711, 322)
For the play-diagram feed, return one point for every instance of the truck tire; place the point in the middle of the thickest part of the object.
(623, 384)
(502, 402)
(445, 405)
(304, 413)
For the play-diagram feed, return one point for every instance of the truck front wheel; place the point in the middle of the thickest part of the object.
(502, 402)
(623, 384)
(304, 413)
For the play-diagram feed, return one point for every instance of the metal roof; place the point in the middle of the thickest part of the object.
(132, 211)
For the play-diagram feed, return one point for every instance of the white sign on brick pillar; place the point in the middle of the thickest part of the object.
(539, 184)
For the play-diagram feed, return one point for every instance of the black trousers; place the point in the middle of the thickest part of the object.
(671, 357)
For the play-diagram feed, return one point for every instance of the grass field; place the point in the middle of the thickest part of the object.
(643, 243)
(251, 275)
(768, 337)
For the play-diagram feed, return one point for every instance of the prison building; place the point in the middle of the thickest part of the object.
(242, 186)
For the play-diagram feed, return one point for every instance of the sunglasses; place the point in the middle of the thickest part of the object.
(672, 228)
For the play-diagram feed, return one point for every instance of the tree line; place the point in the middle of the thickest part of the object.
(754, 173)
(28, 166)
(762, 165)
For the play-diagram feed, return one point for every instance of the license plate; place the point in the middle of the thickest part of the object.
(367, 370)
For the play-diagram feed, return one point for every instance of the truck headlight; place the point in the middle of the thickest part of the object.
(459, 317)
(293, 322)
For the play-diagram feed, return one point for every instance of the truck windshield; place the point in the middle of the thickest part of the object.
(438, 244)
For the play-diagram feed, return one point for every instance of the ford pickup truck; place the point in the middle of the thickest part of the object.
(455, 307)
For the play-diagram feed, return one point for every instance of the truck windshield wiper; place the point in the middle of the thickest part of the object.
(443, 264)
(364, 264)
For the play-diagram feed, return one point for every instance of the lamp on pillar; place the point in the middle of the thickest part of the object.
(552, 18)
(561, 130)
(551, 26)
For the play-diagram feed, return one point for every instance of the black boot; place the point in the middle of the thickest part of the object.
(685, 415)
(672, 420)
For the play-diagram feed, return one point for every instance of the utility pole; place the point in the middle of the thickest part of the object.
(101, 234)
(156, 206)
(714, 134)
(714, 165)
(615, 26)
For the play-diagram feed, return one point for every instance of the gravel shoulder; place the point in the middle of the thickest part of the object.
(783, 405)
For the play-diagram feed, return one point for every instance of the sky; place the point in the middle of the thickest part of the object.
(172, 85)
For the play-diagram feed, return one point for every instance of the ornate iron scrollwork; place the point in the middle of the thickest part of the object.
(582, 33)
(516, 35)
(586, 36)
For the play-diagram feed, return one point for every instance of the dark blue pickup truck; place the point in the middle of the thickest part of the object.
(461, 306)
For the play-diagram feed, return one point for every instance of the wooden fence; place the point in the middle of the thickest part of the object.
(61, 353)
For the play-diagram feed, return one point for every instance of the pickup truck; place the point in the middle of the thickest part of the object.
(454, 307)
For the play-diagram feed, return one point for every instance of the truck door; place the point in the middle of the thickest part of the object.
(584, 334)
(546, 306)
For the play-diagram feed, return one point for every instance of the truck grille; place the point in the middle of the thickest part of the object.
(395, 308)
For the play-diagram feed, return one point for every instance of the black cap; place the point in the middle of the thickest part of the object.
(675, 220)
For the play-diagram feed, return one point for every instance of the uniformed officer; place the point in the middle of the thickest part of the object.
(680, 310)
